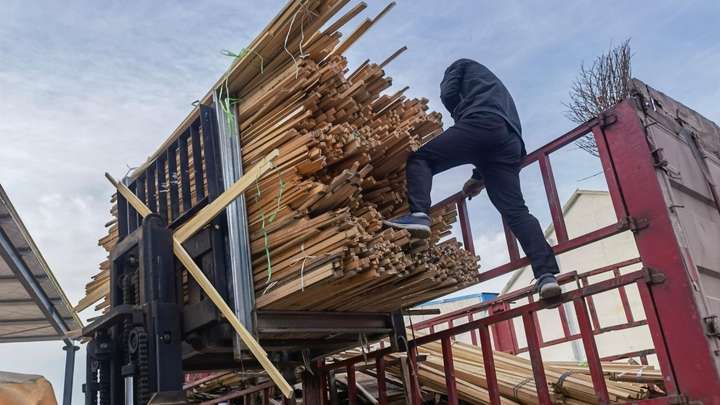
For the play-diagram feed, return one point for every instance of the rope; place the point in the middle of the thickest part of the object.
(297, 67)
(559, 384)
(517, 387)
(304, 259)
(270, 219)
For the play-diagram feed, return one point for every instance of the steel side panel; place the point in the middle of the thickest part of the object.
(694, 365)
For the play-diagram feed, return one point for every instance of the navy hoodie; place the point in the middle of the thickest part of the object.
(469, 87)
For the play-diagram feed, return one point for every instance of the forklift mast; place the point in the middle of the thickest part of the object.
(135, 352)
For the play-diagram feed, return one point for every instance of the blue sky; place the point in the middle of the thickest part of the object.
(89, 87)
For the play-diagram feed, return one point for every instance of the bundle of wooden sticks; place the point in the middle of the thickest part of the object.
(315, 220)
(569, 383)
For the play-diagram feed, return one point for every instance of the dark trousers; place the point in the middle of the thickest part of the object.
(485, 141)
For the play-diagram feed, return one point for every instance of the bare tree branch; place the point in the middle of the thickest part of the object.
(598, 88)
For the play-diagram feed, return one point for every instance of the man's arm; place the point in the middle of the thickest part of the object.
(450, 85)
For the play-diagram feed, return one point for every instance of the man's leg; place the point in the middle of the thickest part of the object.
(452, 148)
(503, 185)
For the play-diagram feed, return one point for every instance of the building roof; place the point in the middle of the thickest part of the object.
(33, 307)
(480, 296)
(569, 204)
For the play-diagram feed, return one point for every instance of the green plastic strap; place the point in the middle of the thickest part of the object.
(270, 219)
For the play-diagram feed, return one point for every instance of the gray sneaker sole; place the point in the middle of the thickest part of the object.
(417, 231)
(550, 290)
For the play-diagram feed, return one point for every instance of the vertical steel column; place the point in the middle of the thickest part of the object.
(449, 368)
(536, 359)
(382, 387)
(241, 274)
(465, 226)
(351, 385)
(489, 363)
(70, 350)
(591, 351)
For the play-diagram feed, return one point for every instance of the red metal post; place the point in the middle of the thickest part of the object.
(553, 199)
(624, 299)
(564, 321)
(465, 226)
(382, 388)
(679, 320)
(657, 336)
(609, 171)
(489, 362)
(536, 359)
(473, 335)
(591, 352)
(415, 392)
(591, 306)
(312, 386)
(351, 385)
(538, 330)
(504, 331)
(511, 242)
(449, 369)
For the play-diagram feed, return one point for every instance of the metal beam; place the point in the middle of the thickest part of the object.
(18, 266)
(69, 373)
(29, 322)
(18, 302)
(241, 275)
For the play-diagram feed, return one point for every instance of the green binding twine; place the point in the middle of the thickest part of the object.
(270, 219)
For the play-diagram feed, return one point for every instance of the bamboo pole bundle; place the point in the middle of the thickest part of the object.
(568, 383)
(315, 221)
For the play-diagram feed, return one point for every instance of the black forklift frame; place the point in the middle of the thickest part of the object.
(209, 342)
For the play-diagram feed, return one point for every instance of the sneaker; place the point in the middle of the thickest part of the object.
(417, 223)
(547, 286)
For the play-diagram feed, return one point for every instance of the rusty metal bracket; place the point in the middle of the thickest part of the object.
(712, 326)
(605, 119)
(634, 224)
(679, 400)
(653, 276)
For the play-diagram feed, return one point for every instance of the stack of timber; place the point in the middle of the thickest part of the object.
(569, 383)
(315, 221)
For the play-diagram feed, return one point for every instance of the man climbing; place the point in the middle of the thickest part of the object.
(486, 134)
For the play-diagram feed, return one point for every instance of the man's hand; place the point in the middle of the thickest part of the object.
(473, 187)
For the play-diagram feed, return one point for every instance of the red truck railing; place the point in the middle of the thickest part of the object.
(629, 169)
(503, 333)
(672, 317)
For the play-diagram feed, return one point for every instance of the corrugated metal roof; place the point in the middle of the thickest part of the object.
(33, 307)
